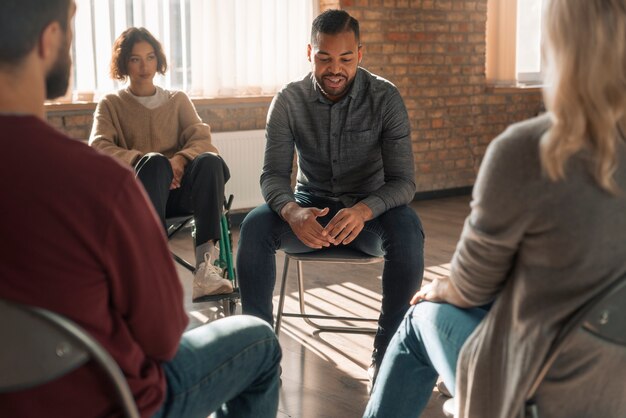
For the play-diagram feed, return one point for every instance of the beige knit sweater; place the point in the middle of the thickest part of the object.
(126, 129)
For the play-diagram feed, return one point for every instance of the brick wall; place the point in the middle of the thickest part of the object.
(434, 51)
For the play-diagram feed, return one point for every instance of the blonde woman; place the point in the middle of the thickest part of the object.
(546, 234)
(159, 134)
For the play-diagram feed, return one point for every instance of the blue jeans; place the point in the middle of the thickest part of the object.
(397, 234)
(426, 345)
(229, 367)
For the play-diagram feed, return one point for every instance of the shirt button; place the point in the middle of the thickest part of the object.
(334, 161)
(333, 180)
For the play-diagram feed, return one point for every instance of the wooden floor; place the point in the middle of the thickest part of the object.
(324, 374)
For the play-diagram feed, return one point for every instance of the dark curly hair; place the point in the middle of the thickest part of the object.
(123, 47)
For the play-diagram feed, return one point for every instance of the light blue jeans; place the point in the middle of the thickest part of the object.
(426, 345)
(229, 367)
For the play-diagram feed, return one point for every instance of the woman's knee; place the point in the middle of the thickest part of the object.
(154, 165)
(154, 159)
(446, 321)
(212, 164)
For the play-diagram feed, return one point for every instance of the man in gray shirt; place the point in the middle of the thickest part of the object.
(355, 177)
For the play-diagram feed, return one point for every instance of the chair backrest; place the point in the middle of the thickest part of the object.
(604, 316)
(607, 319)
(39, 346)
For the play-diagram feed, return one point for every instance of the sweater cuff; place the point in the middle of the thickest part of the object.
(132, 157)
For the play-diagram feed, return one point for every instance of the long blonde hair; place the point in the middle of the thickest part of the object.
(586, 85)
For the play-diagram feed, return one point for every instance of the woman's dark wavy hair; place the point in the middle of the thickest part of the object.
(123, 47)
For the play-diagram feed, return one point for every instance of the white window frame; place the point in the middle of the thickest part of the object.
(265, 50)
(502, 44)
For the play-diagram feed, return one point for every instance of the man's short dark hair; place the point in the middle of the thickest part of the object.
(332, 22)
(123, 48)
(23, 21)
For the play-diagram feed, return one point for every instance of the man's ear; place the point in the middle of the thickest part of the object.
(360, 53)
(49, 40)
(309, 48)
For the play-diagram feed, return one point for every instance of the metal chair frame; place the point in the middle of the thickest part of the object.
(343, 255)
(40, 346)
(176, 224)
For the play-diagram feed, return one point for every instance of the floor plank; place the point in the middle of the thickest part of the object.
(324, 374)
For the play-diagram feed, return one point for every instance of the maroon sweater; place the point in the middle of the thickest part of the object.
(78, 237)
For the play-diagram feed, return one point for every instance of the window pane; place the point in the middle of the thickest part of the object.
(528, 37)
(213, 47)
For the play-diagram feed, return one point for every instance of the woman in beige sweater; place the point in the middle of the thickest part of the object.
(546, 234)
(160, 135)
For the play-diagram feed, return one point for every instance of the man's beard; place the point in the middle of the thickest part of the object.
(58, 78)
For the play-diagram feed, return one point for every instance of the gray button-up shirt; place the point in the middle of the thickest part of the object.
(358, 149)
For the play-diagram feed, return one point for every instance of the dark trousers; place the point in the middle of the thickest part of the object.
(397, 234)
(201, 191)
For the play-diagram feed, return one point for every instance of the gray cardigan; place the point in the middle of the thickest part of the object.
(541, 250)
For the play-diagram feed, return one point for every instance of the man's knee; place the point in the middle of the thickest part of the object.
(402, 224)
(259, 223)
(253, 330)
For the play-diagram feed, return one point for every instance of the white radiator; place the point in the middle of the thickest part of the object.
(243, 152)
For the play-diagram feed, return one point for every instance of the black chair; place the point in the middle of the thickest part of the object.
(39, 346)
(174, 225)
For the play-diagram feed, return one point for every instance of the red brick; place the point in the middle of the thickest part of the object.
(77, 120)
(397, 37)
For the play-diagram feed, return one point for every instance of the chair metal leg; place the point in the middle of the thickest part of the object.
(307, 317)
(281, 300)
(171, 231)
(226, 255)
(186, 264)
(328, 328)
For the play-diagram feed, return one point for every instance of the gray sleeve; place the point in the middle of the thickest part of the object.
(502, 209)
(397, 154)
(279, 151)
